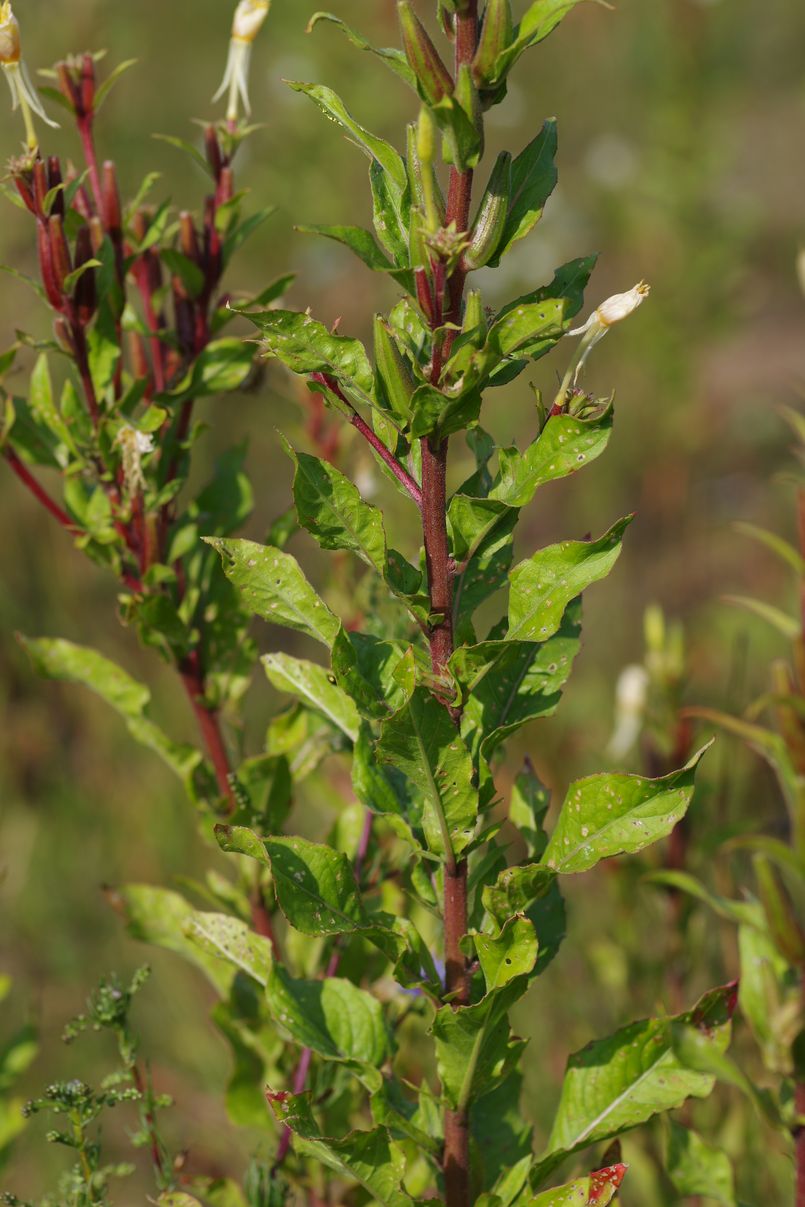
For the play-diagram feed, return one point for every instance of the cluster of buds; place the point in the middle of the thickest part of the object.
(23, 92)
(248, 20)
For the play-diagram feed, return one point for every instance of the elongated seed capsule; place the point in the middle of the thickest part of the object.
(497, 35)
(394, 375)
(85, 295)
(467, 96)
(475, 324)
(434, 81)
(111, 214)
(59, 251)
(54, 181)
(416, 175)
(493, 211)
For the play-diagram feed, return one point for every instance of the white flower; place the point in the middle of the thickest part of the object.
(248, 20)
(23, 91)
(631, 697)
(615, 309)
(133, 446)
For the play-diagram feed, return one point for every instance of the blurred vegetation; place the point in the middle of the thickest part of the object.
(679, 122)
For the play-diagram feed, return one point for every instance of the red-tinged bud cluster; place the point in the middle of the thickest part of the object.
(77, 82)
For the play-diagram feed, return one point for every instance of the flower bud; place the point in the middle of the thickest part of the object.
(87, 84)
(188, 239)
(434, 81)
(615, 309)
(213, 150)
(497, 34)
(9, 35)
(111, 214)
(490, 223)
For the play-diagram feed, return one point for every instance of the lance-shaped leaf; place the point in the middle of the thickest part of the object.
(378, 675)
(506, 684)
(516, 889)
(769, 996)
(59, 659)
(315, 884)
(394, 59)
(482, 542)
(161, 917)
(543, 586)
(333, 107)
(533, 179)
(365, 247)
(475, 1050)
(502, 1136)
(696, 1168)
(332, 1017)
(540, 19)
(564, 445)
(606, 815)
(371, 1158)
(273, 586)
(616, 1084)
(332, 511)
(306, 346)
(227, 938)
(313, 684)
(422, 741)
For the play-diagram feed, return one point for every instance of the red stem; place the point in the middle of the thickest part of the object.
(210, 727)
(456, 1157)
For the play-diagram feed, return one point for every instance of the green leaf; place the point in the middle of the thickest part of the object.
(543, 586)
(43, 406)
(314, 685)
(363, 244)
(515, 890)
(315, 884)
(378, 675)
(221, 368)
(332, 511)
(188, 272)
(511, 953)
(227, 938)
(533, 180)
(527, 809)
(768, 995)
(695, 1168)
(59, 659)
(331, 1017)
(421, 740)
(108, 84)
(599, 1188)
(539, 20)
(371, 1158)
(306, 346)
(606, 815)
(177, 1198)
(565, 445)
(783, 549)
(502, 1136)
(273, 587)
(333, 107)
(394, 59)
(507, 684)
(789, 626)
(482, 543)
(161, 917)
(616, 1084)
(188, 148)
(475, 1050)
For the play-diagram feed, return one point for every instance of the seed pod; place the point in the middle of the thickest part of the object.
(470, 101)
(54, 181)
(786, 932)
(87, 85)
(493, 211)
(475, 323)
(86, 294)
(213, 149)
(394, 375)
(416, 174)
(497, 35)
(40, 187)
(188, 239)
(434, 81)
(53, 293)
(110, 201)
(59, 251)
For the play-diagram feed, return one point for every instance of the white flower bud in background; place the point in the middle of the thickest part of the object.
(631, 698)
(133, 447)
(248, 20)
(23, 91)
(801, 269)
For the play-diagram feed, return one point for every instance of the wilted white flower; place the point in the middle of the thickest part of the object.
(133, 447)
(631, 697)
(248, 20)
(23, 91)
(613, 310)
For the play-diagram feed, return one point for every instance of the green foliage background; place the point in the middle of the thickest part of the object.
(681, 124)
